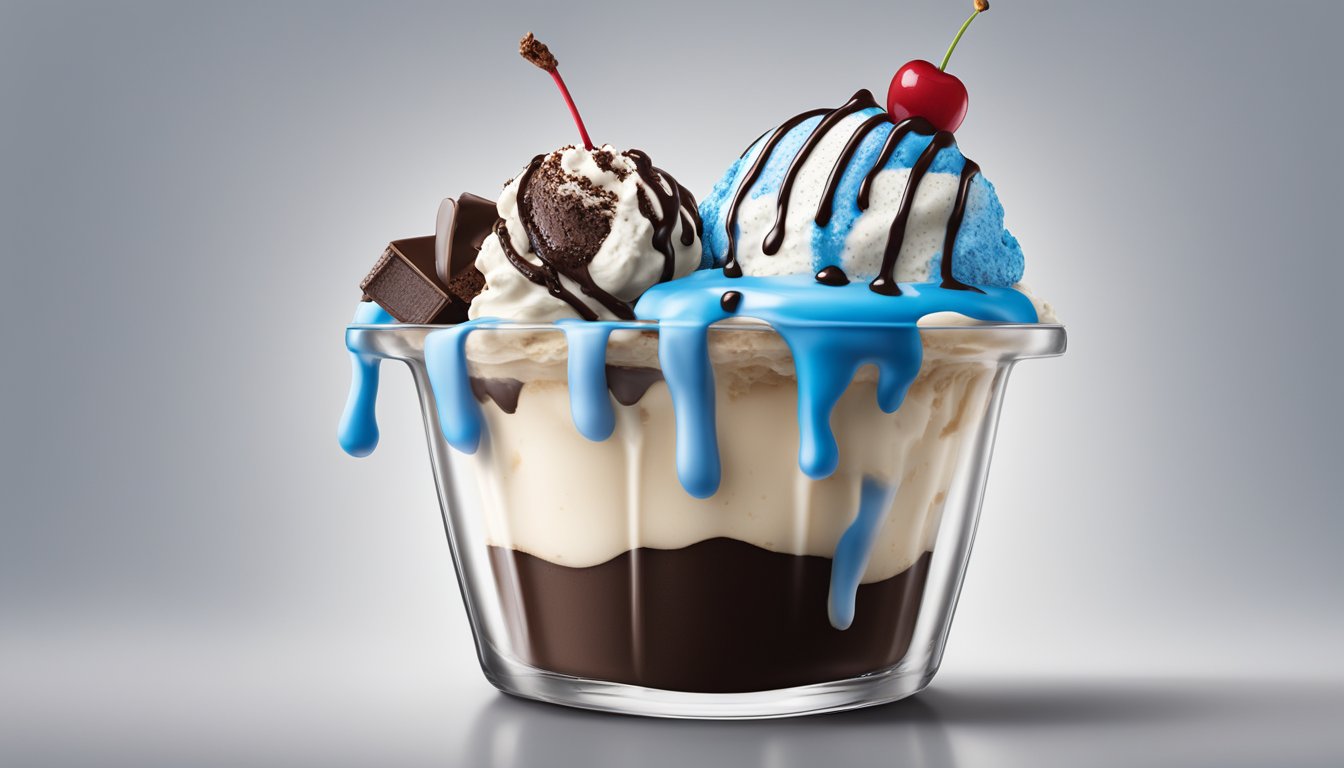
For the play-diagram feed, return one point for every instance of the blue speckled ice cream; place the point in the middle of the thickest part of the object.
(855, 240)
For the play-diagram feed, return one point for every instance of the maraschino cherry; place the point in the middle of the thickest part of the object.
(920, 89)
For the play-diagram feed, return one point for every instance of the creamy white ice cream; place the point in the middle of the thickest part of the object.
(625, 264)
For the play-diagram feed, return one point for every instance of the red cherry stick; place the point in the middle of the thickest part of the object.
(538, 54)
(573, 110)
(980, 7)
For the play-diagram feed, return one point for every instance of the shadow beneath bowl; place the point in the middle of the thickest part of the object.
(914, 733)
(513, 732)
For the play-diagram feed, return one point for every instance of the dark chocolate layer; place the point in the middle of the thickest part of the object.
(404, 283)
(719, 616)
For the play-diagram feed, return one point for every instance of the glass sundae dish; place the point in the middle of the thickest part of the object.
(717, 460)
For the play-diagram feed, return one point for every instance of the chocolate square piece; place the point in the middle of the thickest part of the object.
(432, 279)
(463, 225)
(404, 283)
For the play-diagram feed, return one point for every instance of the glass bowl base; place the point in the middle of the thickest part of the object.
(872, 689)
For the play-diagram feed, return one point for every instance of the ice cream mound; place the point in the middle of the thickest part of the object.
(853, 190)
(582, 234)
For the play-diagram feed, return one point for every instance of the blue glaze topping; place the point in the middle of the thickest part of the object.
(683, 354)
(855, 548)
(446, 362)
(589, 399)
(358, 430)
(828, 346)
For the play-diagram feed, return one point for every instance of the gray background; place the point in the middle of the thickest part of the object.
(192, 573)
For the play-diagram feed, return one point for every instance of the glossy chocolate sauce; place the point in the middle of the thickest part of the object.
(827, 204)
(719, 616)
(775, 237)
(954, 225)
(731, 267)
(674, 205)
(730, 300)
(832, 275)
(885, 282)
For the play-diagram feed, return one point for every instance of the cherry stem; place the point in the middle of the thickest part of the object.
(948, 56)
(573, 110)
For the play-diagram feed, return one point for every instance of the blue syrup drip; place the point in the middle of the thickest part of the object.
(446, 362)
(589, 400)
(460, 414)
(854, 549)
(683, 354)
(358, 430)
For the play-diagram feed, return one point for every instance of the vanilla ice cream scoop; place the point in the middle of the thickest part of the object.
(582, 234)
(854, 193)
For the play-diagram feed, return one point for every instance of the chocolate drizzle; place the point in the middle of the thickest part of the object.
(674, 206)
(968, 173)
(730, 267)
(832, 275)
(827, 204)
(689, 205)
(730, 300)
(885, 281)
(902, 129)
(548, 275)
(545, 275)
(752, 144)
(775, 237)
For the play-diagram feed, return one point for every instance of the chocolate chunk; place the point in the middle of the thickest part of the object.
(628, 384)
(403, 282)
(463, 225)
(504, 392)
(466, 285)
(432, 279)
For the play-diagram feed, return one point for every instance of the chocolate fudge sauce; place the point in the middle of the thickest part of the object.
(719, 616)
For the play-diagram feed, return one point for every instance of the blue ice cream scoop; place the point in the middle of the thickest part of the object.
(855, 191)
